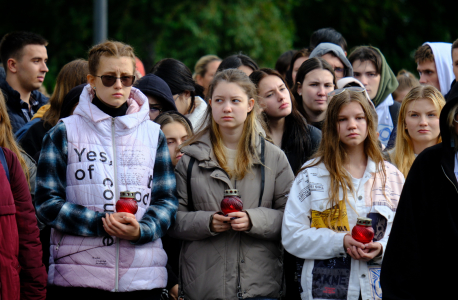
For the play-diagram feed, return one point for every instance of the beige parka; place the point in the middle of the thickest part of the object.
(231, 264)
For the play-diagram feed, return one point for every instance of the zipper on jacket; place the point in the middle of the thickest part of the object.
(58, 244)
(113, 143)
(449, 179)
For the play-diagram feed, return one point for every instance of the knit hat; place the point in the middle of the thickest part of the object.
(156, 87)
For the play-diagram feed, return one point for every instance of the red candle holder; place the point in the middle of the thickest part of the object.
(127, 203)
(231, 202)
(363, 231)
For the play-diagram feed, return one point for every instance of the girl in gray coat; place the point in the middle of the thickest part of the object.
(238, 255)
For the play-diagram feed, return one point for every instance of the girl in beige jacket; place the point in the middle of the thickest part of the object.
(237, 256)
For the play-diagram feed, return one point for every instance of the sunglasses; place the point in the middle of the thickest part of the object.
(109, 80)
(350, 88)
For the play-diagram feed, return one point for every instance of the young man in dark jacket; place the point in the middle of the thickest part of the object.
(24, 58)
(22, 273)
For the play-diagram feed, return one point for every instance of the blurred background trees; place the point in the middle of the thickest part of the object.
(262, 29)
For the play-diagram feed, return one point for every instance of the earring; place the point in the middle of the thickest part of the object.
(93, 88)
(300, 94)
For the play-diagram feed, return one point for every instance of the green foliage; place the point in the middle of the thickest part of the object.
(262, 29)
(396, 27)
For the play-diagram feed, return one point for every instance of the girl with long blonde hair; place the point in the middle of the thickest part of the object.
(239, 254)
(348, 179)
(418, 126)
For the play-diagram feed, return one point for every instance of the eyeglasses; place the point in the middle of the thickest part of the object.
(350, 88)
(155, 107)
(109, 80)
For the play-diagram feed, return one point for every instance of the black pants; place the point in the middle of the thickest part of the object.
(59, 293)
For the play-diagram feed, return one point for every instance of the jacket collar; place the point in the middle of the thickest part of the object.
(133, 117)
(202, 151)
(36, 98)
(370, 168)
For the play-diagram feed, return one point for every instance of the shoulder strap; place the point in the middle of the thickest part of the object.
(188, 184)
(263, 168)
(4, 163)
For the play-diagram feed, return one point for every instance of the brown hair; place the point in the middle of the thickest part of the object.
(7, 138)
(308, 66)
(246, 149)
(201, 65)
(366, 53)
(71, 75)
(403, 155)
(294, 122)
(170, 117)
(332, 152)
(424, 53)
(406, 81)
(454, 45)
(109, 49)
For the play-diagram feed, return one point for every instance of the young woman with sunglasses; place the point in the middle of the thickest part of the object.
(107, 147)
(348, 179)
(237, 255)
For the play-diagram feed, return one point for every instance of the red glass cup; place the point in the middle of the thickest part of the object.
(127, 203)
(231, 202)
(363, 231)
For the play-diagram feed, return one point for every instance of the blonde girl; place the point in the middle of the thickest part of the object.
(418, 126)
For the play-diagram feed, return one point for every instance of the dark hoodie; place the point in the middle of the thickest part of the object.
(325, 48)
(419, 261)
(152, 85)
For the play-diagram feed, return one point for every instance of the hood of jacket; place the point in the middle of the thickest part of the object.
(388, 82)
(156, 87)
(137, 111)
(324, 48)
(443, 60)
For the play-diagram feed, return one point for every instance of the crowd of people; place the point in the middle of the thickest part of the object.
(241, 182)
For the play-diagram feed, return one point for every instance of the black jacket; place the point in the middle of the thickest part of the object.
(32, 140)
(15, 105)
(420, 260)
(295, 157)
